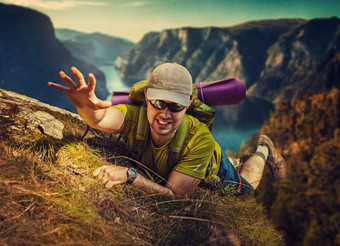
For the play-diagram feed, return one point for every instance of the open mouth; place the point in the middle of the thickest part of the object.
(163, 123)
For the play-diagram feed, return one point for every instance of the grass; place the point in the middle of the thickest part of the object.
(49, 197)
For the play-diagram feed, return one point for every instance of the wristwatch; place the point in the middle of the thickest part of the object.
(131, 175)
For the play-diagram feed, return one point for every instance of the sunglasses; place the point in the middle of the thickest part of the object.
(173, 107)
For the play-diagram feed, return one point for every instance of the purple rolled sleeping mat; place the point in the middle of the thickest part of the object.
(221, 92)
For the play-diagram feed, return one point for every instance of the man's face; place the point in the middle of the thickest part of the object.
(163, 123)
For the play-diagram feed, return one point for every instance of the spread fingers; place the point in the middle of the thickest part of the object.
(92, 82)
(79, 76)
(67, 79)
(58, 87)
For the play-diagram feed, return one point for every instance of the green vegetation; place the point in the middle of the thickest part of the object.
(306, 204)
(49, 197)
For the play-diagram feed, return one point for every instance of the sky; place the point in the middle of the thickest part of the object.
(131, 19)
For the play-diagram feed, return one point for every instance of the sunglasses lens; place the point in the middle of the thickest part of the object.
(159, 104)
(173, 107)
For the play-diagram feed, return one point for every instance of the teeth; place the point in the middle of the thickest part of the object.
(163, 122)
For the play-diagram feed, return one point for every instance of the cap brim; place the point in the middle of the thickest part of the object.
(166, 95)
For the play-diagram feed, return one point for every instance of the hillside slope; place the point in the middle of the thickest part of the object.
(306, 204)
(48, 194)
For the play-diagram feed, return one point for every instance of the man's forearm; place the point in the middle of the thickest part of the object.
(92, 118)
(109, 120)
(178, 186)
(152, 187)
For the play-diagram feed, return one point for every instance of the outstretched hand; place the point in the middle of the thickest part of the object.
(81, 95)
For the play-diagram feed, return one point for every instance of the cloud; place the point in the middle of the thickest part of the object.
(149, 2)
(136, 4)
(56, 5)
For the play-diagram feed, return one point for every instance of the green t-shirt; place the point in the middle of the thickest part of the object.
(201, 152)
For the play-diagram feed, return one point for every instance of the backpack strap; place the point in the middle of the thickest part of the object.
(177, 144)
(141, 135)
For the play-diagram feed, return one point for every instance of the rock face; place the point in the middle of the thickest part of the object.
(20, 115)
(277, 59)
(42, 121)
(96, 48)
(30, 56)
(209, 53)
(304, 60)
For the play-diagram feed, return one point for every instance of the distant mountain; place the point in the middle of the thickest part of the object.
(30, 56)
(64, 34)
(209, 53)
(305, 60)
(96, 48)
(277, 59)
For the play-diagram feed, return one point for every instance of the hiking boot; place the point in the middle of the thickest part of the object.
(275, 161)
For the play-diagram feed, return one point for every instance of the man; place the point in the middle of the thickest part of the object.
(168, 96)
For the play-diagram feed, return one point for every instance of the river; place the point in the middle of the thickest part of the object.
(113, 80)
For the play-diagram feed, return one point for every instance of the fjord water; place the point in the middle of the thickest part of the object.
(113, 80)
(231, 139)
(228, 138)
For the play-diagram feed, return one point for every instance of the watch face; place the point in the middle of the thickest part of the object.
(131, 175)
(133, 172)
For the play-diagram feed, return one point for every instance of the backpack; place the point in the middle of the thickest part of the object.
(198, 109)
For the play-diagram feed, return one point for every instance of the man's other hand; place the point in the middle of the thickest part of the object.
(111, 175)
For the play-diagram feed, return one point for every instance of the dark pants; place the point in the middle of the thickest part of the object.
(230, 177)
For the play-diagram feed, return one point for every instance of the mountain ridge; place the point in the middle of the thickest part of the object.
(252, 52)
(188, 43)
(279, 60)
(97, 48)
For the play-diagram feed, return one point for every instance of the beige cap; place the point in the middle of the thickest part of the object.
(170, 82)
